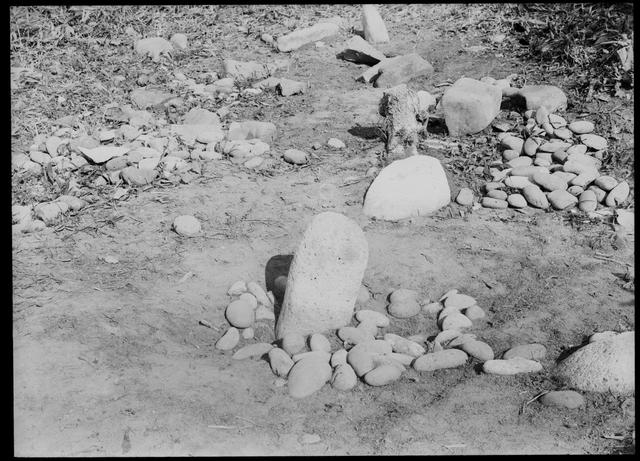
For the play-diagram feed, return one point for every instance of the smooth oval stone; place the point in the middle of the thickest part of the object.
(447, 294)
(295, 156)
(517, 182)
(516, 201)
(492, 186)
(520, 161)
(531, 146)
(237, 288)
(229, 340)
(549, 182)
(292, 343)
(475, 312)
(560, 156)
(360, 356)
(600, 194)
(344, 378)
(319, 342)
(432, 309)
(478, 349)
(588, 201)
(448, 310)
(448, 358)
(256, 290)
(593, 141)
(459, 300)
(249, 299)
(320, 355)
(535, 197)
(186, 225)
(460, 340)
(403, 294)
(581, 126)
(532, 351)
(542, 162)
(553, 146)
(369, 327)
(544, 156)
(561, 199)
(307, 377)
(542, 115)
(382, 375)
(566, 177)
(575, 190)
(584, 179)
(280, 362)
(528, 171)
(511, 367)
(513, 143)
(617, 195)
(404, 359)
(351, 335)
(446, 336)
(509, 154)
(248, 333)
(240, 314)
(378, 318)
(557, 121)
(563, 133)
(497, 194)
(252, 351)
(404, 309)
(489, 202)
(324, 277)
(338, 357)
(465, 197)
(456, 321)
(566, 399)
(579, 149)
(605, 182)
(404, 346)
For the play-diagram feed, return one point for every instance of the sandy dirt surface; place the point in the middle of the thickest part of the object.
(110, 359)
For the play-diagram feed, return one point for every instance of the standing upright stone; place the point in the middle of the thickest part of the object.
(324, 277)
(374, 29)
(470, 106)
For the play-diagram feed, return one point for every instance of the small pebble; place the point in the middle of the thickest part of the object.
(478, 349)
(497, 194)
(465, 197)
(493, 185)
(378, 318)
(575, 190)
(360, 357)
(535, 197)
(606, 183)
(593, 141)
(280, 362)
(295, 156)
(263, 313)
(520, 161)
(566, 399)
(250, 351)
(344, 378)
(489, 202)
(618, 195)
(509, 154)
(351, 335)
(248, 333)
(432, 309)
(338, 357)
(186, 225)
(581, 126)
(532, 351)
(516, 201)
(320, 355)
(588, 201)
(256, 290)
(292, 343)
(335, 143)
(474, 312)
(404, 346)
(456, 321)
(307, 377)
(382, 375)
(561, 199)
(517, 182)
(319, 342)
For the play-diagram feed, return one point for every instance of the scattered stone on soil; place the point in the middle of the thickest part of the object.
(229, 340)
(511, 366)
(566, 399)
(301, 37)
(449, 358)
(186, 225)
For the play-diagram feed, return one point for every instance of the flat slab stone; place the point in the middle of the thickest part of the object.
(414, 186)
(325, 277)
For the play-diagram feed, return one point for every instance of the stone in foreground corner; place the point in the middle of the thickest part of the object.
(414, 186)
(324, 277)
(602, 366)
(470, 106)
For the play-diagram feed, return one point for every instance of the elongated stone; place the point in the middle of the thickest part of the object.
(325, 276)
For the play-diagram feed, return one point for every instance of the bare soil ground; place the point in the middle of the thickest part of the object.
(109, 359)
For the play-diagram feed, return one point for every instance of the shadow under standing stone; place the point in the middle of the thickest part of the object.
(277, 266)
(366, 132)
(514, 103)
